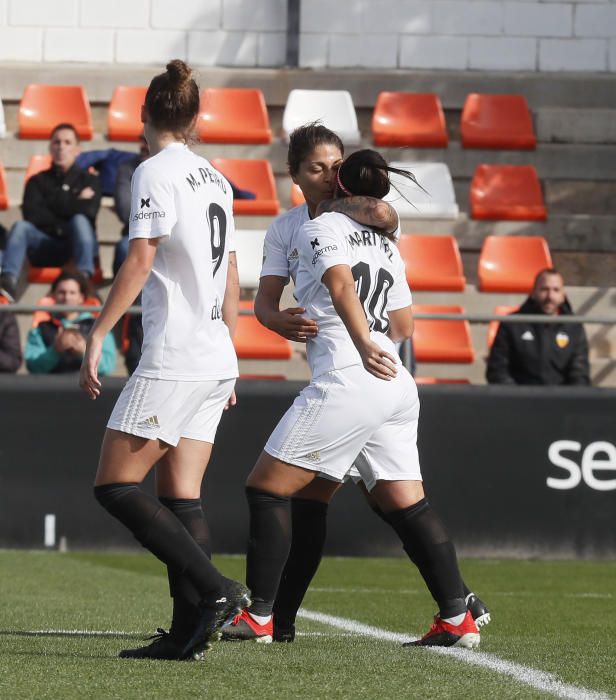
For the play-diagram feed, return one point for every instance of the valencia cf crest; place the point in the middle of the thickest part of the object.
(562, 339)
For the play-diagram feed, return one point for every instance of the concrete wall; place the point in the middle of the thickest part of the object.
(206, 32)
(512, 35)
(519, 35)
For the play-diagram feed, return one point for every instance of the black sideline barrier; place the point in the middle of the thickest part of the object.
(514, 471)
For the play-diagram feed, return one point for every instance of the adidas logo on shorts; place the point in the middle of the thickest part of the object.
(151, 422)
(313, 456)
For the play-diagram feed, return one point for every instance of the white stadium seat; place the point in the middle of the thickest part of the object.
(411, 202)
(249, 249)
(333, 108)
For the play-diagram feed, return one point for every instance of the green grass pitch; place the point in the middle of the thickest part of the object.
(553, 622)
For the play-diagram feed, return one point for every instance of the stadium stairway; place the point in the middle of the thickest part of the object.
(574, 117)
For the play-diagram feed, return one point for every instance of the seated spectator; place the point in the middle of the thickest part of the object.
(57, 345)
(541, 353)
(59, 209)
(106, 163)
(123, 199)
(10, 345)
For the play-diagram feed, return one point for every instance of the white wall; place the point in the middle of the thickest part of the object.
(205, 32)
(527, 35)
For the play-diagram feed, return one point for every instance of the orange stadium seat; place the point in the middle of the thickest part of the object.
(493, 327)
(36, 165)
(409, 119)
(442, 341)
(233, 115)
(297, 197)
(497, 121)
(510, 192)
(253, 341)
(253, 175)
(42, 107)
(511, 263)
(124, 115)
(433, 263)
(4, 195)
(4, 300)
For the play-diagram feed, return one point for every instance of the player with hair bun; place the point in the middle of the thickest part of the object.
(361, 407)
(181, 253)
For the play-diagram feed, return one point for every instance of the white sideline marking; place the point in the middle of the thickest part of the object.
(540, 680)
(71, 633)
(409, 591)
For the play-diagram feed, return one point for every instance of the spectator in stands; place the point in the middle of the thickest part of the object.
(59, 209)
(57, 346)
(10, 346)
(123, 199)
(541, 353)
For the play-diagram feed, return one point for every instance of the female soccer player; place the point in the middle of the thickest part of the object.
(180, 252)
(361, 406)
(314, 155)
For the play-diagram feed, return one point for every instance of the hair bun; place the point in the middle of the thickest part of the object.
(178, 72)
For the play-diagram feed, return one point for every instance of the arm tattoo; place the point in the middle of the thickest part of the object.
(369, 211)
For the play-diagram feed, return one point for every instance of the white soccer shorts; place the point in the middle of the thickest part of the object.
(348, 417)
(167, 410)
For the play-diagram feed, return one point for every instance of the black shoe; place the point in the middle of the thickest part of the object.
(164, 646)
(285, 634)
(479, 610)
(213, 615)
(8, 287)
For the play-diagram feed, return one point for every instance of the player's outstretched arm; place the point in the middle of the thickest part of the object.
(369, 211)
(289, 323)
(128, 283)
(339, 281)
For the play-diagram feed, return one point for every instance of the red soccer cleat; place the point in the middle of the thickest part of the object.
(443, 634)
(245, 627)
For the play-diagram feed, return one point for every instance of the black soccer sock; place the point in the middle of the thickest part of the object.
(189, 511)
(309, 529)
(427, 543)
(384, 518)
(268, 546)
(157, 529)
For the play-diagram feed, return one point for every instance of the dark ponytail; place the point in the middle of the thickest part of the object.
(366, 173)
(172, 100)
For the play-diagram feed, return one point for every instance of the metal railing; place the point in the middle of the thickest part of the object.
(471, 317)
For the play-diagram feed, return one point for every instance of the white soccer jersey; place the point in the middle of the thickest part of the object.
(335, 239)
(280, 248)
(280, 252)
(180, 198)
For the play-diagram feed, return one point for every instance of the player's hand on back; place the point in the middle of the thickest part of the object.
(376, 361)
(290, 324)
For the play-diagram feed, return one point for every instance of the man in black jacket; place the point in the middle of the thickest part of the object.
(59, 208)
(541, 353)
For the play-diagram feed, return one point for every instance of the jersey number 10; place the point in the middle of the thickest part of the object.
(374, 300)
